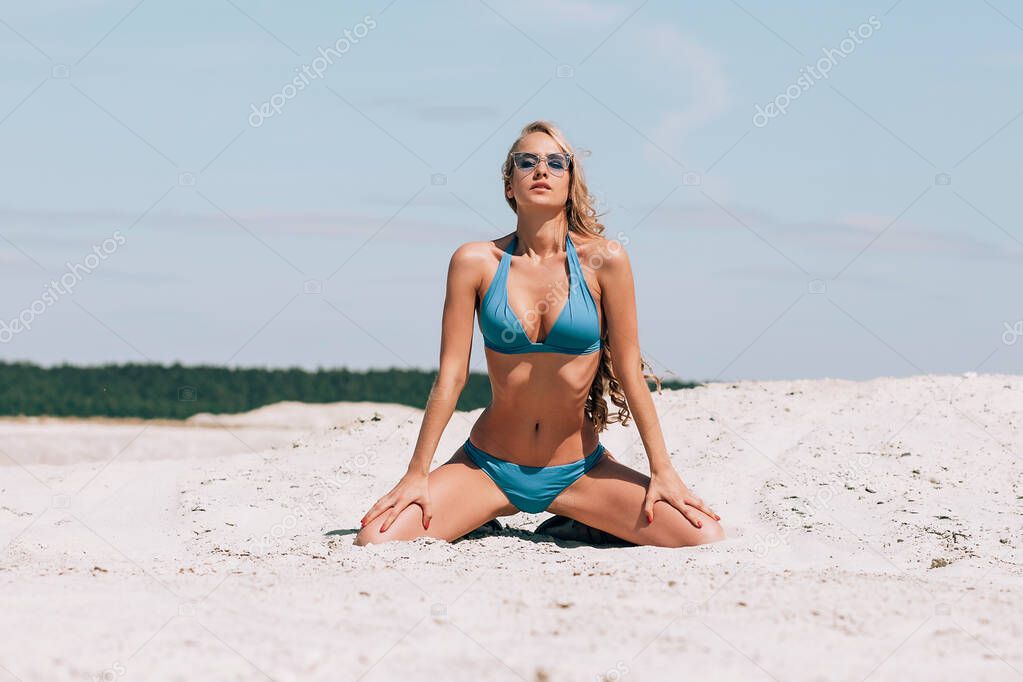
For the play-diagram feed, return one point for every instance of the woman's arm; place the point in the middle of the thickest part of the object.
(463, 281)
(618, 299)
(455, 346)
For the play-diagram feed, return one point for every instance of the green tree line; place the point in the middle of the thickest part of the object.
(178, 391)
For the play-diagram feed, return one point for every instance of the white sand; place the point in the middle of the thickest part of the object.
(152, 551)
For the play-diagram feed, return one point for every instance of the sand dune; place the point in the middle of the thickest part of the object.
(875, 532)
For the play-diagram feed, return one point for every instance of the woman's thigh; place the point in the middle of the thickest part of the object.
(463, 498)
(610, 497)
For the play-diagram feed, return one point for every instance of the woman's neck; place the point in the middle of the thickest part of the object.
(542, 236)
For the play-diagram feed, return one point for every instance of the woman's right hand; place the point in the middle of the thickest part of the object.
(413, 487)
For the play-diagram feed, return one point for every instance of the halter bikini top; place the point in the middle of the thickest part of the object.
(576, 331)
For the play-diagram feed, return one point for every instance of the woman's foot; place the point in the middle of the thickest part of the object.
(564, 528)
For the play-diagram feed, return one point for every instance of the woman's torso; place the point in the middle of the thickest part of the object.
(536, 417)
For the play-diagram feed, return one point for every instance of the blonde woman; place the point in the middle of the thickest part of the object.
(556, 337)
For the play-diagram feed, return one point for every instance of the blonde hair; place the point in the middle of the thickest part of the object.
(582, 218)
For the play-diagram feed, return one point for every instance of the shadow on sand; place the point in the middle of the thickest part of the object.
(559, 530)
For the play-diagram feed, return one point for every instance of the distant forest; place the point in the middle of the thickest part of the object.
(177, 391)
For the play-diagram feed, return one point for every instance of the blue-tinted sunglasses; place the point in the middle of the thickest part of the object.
(557, 163)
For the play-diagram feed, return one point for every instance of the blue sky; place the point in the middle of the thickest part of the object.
(871, 229)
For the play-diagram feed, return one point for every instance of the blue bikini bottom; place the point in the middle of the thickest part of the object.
(531, 489)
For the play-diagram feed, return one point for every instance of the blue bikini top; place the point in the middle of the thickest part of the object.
(576, 331)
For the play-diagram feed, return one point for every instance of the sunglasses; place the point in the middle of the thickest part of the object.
(557, 163)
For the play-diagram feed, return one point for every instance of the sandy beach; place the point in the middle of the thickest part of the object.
(875, 533)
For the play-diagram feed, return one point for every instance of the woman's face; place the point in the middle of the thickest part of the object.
(538, 187)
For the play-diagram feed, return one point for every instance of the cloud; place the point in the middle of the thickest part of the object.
(1005, 59)
(440, 113)
(571, 11)
(848, 233)
(457, 113)
(10, 257)
(29, 224)
(685, 61)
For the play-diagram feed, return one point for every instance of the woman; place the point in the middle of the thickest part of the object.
(552, 346)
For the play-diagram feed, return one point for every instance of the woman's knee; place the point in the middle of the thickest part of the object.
(691, 536)
(710, 531)
(408, 525)
(679, 531)
(367, 536)
(373, 537)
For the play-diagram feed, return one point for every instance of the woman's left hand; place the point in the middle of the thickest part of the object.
(668, 486)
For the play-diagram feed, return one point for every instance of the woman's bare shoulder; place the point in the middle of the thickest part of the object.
(478, 251)
(473, 259)
(598, 251)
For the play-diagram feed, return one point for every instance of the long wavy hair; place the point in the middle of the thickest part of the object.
(582, 218)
